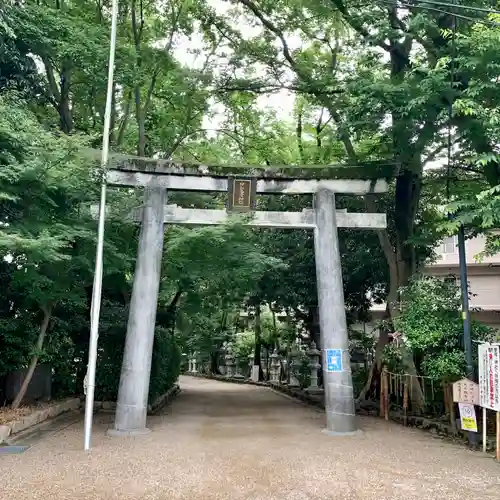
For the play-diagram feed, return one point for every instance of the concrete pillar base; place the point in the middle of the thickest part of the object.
(315, 391)
(342, 434)
(129, 433)
(340, 423)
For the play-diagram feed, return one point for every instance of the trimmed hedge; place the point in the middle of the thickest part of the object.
(165, 365)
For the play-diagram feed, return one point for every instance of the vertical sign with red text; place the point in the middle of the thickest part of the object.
(489, 376)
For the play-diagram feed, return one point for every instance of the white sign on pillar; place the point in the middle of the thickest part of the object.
(489, 376)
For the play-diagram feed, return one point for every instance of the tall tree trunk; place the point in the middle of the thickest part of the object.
(258, 342)
(391, 303)
(298, 130)
(172, 310)
(400, 259)
(65, 111)
(408, 187)
(47, 311)
(273, 313)
(376, 368)
(275, 329)
(214, 365)
(141, 124)
(123, 125)
(401, 262)
(140, 111)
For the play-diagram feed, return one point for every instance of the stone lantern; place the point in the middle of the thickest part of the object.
(314, 365)
(237, 367)
(194, 361)
(251, 358)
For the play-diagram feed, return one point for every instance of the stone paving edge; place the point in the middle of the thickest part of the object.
(37, 417)
(11, 429)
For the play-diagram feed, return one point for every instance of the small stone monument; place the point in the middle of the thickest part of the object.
(294, 367)
(251, 358)
(222, 367)
(275, 367)
(194, 361)
(284, 370)
(229, 363)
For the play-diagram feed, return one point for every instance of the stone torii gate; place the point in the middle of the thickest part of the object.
(158, 177)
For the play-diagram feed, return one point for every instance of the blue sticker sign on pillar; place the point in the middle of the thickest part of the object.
(334, 360)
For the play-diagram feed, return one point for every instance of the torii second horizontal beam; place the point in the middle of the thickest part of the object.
(286, 220)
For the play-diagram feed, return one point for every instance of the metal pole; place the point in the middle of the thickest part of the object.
(462, 259)
(465, 300)
(95, 307)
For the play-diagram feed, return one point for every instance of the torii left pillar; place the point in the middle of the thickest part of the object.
(132, 404)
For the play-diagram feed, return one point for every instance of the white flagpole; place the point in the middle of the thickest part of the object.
(95, 307)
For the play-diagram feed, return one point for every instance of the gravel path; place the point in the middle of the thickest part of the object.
(226, 441)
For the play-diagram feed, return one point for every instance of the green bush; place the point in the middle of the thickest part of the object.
(392, 358)
(166, 364)
(112, 332)
(359, 378)
(304, 371)
(431, 323)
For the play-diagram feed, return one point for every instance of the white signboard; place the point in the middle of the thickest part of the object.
(468, 417)
(489, 376)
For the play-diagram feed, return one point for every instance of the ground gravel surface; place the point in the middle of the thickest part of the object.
(221, 441)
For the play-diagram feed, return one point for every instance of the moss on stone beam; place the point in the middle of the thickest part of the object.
(365, 171)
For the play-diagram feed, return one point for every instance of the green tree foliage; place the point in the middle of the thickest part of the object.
(431, 324)
(215, 269)
(38, 223)
(386, 77)
(43, 185)
(382, 80)
(54, 55)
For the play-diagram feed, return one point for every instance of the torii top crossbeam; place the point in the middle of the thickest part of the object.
(290, 179)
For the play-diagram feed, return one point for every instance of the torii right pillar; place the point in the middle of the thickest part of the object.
(337, 377)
